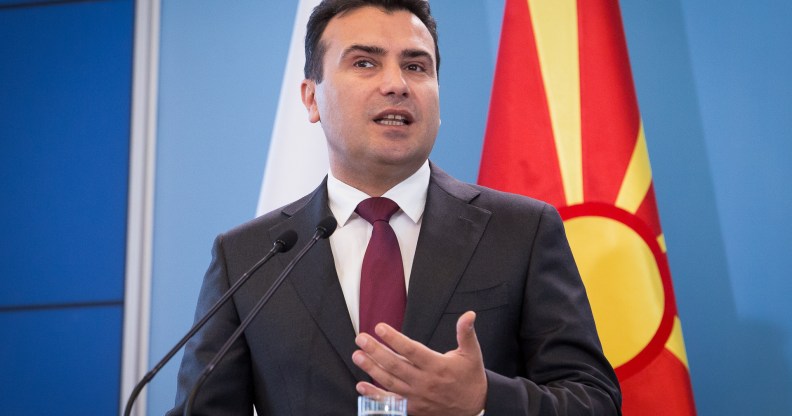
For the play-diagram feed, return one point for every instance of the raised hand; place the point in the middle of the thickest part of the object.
(433, 383)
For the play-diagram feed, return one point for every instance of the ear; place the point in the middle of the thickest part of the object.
(308, 91)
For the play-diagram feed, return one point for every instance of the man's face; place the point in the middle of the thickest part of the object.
(378, 101)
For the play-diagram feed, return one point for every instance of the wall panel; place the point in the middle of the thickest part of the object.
(65, 85)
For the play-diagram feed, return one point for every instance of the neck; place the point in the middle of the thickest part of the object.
(374, 182)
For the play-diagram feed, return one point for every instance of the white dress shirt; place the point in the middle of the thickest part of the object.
(350, 239)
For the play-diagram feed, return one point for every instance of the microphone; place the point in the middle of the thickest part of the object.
(282, 244)
(324, 229)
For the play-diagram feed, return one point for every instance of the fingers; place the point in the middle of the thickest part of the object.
(428, 379)
(389, 369)
(415, 352)
(367, 389)
(466, 334)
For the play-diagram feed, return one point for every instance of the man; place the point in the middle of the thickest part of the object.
(496, 318)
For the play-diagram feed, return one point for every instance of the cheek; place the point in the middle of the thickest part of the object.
(331, 106)
(431, 102)
(432, 110)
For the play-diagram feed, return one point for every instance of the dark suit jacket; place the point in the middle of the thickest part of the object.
(502, 255)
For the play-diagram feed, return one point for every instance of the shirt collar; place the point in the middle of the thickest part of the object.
(410, 194)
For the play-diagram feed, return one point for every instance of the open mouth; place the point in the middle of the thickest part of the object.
(393, 120)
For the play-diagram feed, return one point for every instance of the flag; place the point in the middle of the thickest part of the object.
(564, 127)
(297, 159)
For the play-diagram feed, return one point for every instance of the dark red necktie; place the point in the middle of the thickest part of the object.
(382, 291)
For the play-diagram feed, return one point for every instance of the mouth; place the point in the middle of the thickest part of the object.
(393, 119)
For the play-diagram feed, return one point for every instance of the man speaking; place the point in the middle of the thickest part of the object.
(462, 299)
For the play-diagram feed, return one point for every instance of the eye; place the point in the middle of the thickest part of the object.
(363, 64)
(415, 67)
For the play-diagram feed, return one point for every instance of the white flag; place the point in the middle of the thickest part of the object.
(297, 159)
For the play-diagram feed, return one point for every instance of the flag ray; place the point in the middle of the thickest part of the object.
(609, 110)
(661, 243)
(557, 46)
(647, 212)
(637, 179)
(509, 161)
(676, 343)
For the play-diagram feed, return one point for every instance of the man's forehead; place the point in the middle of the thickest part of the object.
(361, 26)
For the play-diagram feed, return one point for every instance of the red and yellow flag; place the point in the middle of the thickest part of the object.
(564, 127)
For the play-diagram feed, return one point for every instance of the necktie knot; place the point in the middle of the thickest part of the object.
(377, 209)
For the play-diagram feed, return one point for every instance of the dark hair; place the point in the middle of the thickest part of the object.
(327, 9)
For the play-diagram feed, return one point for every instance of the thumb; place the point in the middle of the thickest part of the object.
(466, 333)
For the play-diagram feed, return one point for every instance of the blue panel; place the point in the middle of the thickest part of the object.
(741, 63)
(65, 79)
(61, 362)
(713, 83)
(464, 87)
(218, 96)
(22, 3)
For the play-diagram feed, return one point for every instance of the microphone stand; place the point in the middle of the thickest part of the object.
(325, 228)
(282, 244)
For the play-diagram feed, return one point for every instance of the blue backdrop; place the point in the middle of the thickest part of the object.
(65, 83)
(712, 84)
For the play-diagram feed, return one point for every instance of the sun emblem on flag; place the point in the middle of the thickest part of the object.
(564, 127)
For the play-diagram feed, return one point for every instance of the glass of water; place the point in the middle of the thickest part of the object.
(382, 406)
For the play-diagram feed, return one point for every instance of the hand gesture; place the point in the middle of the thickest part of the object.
(433, 383)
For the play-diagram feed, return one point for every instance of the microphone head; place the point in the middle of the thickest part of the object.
(326, 227)
(286, 240)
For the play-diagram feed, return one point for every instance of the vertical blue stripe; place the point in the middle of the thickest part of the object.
(65, 89)
(65, 79)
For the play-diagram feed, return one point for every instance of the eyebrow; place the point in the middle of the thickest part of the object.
(417, 53)
(371, 50)
(380, 51)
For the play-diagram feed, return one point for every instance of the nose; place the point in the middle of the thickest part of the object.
(393, 82)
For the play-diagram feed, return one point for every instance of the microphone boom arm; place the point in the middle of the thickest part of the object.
(283, 243)
(325, 228)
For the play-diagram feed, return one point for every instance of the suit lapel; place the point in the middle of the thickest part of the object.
(315, 279)
(450, 231)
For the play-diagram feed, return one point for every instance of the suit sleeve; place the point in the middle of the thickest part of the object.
(228, 391)
(566, 371)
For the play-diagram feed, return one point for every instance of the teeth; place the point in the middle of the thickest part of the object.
(393, 120)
